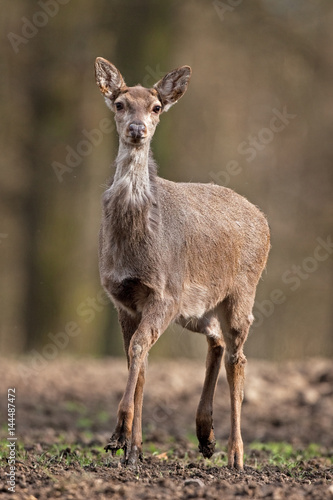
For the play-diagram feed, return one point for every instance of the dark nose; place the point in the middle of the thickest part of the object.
(137, 129)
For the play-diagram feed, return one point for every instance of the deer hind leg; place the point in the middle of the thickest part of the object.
(239, 318)
(128, 435)
(210, 326)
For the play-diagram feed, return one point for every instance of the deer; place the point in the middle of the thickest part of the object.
(174, 252)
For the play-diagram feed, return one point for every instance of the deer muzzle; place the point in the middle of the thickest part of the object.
(137, 130)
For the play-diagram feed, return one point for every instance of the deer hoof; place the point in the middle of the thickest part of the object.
(235, 459)
(235, 462)
(235, 454)
(134, 456)
(207, 448)
(116, 443)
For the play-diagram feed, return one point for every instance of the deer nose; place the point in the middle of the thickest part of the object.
(137, 129)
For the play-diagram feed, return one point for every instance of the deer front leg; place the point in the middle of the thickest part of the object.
(204, 417)
(136, 444)
(127, 435)
(209, 325)
(129, 325)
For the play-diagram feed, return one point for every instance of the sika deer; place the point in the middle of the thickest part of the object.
(188, 253)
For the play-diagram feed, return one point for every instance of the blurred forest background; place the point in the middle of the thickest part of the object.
(258, 118)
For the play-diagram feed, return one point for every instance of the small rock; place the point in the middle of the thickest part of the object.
(194, 482)
(310, 396)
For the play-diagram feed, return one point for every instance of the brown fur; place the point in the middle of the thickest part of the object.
(189, 253)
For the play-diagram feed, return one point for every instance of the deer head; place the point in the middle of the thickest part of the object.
(137, 109)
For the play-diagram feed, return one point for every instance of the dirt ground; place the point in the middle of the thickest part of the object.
(65, 412)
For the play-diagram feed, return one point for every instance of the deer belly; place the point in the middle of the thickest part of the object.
(196, 300)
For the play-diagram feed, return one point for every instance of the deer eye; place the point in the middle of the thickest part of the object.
(119, 106)
(157, 108)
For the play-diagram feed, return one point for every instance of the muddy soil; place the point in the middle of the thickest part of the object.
(68, 406)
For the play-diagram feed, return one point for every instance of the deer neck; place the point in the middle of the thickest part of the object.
(133, 199)
(132, 178)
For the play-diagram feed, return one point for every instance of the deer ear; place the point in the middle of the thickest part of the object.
(108, 78)
(173, 86)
